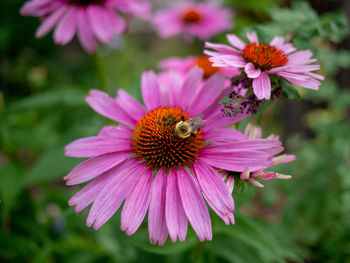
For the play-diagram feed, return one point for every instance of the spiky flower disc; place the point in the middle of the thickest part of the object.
(155, 142)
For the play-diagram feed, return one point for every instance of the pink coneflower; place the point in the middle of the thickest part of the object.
(184, 65)
(260, 60)
(92, 20)
(201, 20)
(163, 157)
(253, 132)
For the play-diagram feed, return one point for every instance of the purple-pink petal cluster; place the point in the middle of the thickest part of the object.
(259, 61)
(91, 20)
(193, 19)
(253, 132)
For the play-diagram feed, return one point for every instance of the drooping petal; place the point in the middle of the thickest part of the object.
(194, 205)
(100, 23)
(50, 21)
(137, 202)
(111, 195)
(262, 86)
(118, 25)
(251, 71)
(85, 35)
(95, 166)
(158, 231)
(67, 26)
(214, 189)
(176, 218)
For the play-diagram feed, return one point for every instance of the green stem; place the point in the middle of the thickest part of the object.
(101, 72)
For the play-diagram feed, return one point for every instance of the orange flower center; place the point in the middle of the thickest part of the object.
(207, 66)
(155, 142)
(85, 2)
(264, 56)
(191, 16)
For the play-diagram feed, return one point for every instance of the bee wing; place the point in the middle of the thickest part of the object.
(196, 122)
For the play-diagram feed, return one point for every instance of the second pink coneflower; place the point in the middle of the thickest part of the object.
(192, 19)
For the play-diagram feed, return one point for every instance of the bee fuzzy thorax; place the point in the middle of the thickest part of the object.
(185, 129)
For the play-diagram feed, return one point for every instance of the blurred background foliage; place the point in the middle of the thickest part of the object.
(42, 108)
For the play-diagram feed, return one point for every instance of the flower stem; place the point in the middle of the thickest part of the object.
(101, 72)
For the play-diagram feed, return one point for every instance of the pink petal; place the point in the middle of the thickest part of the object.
(150, 90)
(92, 146)
(108, 107)
(176, 218)
(40, 8)
(135, 109)
(89, 193)
(277, 42)
(158, 231)
(251, 71)
(235, 41)
(85, 34)
(100, 23)
(194, 205)
(208, 94)
(221, 48)
(266, 145)
(300, 57)
(252, 37)
(116, 132)
(223, 135)
(262, 86)
(228, 60)
(50, 21)
(137, 202)
(95, 166)
(112, 194)
(190, 86)
(214, 189)
(66, 28)
(230, 182)
(117, 23)
(171, 87)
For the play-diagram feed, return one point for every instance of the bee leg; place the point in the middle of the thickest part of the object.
(183, 118)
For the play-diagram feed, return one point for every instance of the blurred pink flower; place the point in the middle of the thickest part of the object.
(184, 65)
(201, 20)
(260, 60)
(253, 132)
(144, 162)
(92, 20)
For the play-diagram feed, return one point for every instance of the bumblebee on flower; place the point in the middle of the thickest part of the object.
(148, 140)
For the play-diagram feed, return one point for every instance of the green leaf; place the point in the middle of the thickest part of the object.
(67, 96)
(226, 100)
(289, 91)
(172, 248)
(51, 166)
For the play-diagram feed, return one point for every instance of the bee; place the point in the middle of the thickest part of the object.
(185, 129)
